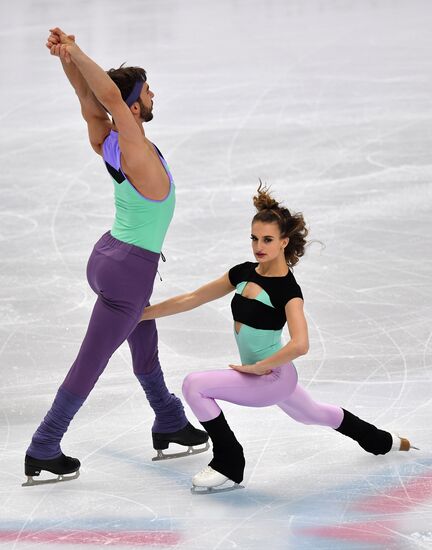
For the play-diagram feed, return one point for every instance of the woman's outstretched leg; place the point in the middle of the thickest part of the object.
(300, 406)
(303, 408)
(369, 437)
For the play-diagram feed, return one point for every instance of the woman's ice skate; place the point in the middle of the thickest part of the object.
(210, 481)
(401, 443)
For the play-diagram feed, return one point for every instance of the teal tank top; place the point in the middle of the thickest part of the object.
(262, 318)
(138, 220)
(256, 344)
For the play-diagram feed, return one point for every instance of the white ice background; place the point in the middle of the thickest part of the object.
(330, 102)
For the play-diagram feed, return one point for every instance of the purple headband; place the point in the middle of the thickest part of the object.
(135, 93)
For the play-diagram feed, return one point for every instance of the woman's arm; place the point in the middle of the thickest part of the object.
(207, 293)
(298, 344)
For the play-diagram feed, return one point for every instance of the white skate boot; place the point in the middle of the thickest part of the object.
(210, 481)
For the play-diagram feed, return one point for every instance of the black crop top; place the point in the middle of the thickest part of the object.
(254, 313)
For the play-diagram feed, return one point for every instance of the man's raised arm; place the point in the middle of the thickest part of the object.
(99, 82)
(98, 121)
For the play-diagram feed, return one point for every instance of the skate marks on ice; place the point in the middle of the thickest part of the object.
(175, 475)
(370, 510)
(109, 506)
(383, 510)
(381, 504)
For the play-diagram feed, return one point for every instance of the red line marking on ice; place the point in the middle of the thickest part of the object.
(397, 500)
(106, 538)
(372, 531)
(400, 499)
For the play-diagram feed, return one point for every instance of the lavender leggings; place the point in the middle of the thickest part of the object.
(278, 388)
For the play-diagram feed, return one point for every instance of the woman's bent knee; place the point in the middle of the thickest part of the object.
(190, 385)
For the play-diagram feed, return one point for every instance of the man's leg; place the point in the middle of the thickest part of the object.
(108, 328)
(123, 290)
(170, 424)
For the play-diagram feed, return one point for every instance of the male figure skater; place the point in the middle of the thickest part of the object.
(123, 264)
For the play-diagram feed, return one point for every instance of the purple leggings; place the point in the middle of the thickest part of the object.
(277, 388)
(122, 276)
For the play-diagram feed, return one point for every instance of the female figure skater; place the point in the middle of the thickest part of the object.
(123, 264)
(267, 296)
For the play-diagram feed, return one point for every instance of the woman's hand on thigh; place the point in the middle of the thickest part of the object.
(257, 369)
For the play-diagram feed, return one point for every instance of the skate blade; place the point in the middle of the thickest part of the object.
(62, 477)
(191, 451)
(214, 490)
(404, 443)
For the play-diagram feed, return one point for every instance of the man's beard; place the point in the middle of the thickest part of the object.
(145, 114)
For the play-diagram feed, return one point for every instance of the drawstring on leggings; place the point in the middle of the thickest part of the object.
(164, 260)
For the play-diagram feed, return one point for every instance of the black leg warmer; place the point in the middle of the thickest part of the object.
(369, 437)
(228, 458)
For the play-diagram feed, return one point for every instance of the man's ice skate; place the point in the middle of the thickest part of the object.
(402, 443)
(187, 436)
(210, 481)
(62, 466)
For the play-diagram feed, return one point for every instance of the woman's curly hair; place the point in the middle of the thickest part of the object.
(290, 225)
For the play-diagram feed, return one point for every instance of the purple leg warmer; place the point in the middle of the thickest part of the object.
(168, 408)
(45, 443)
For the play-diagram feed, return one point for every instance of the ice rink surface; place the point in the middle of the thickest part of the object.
(330, 103)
